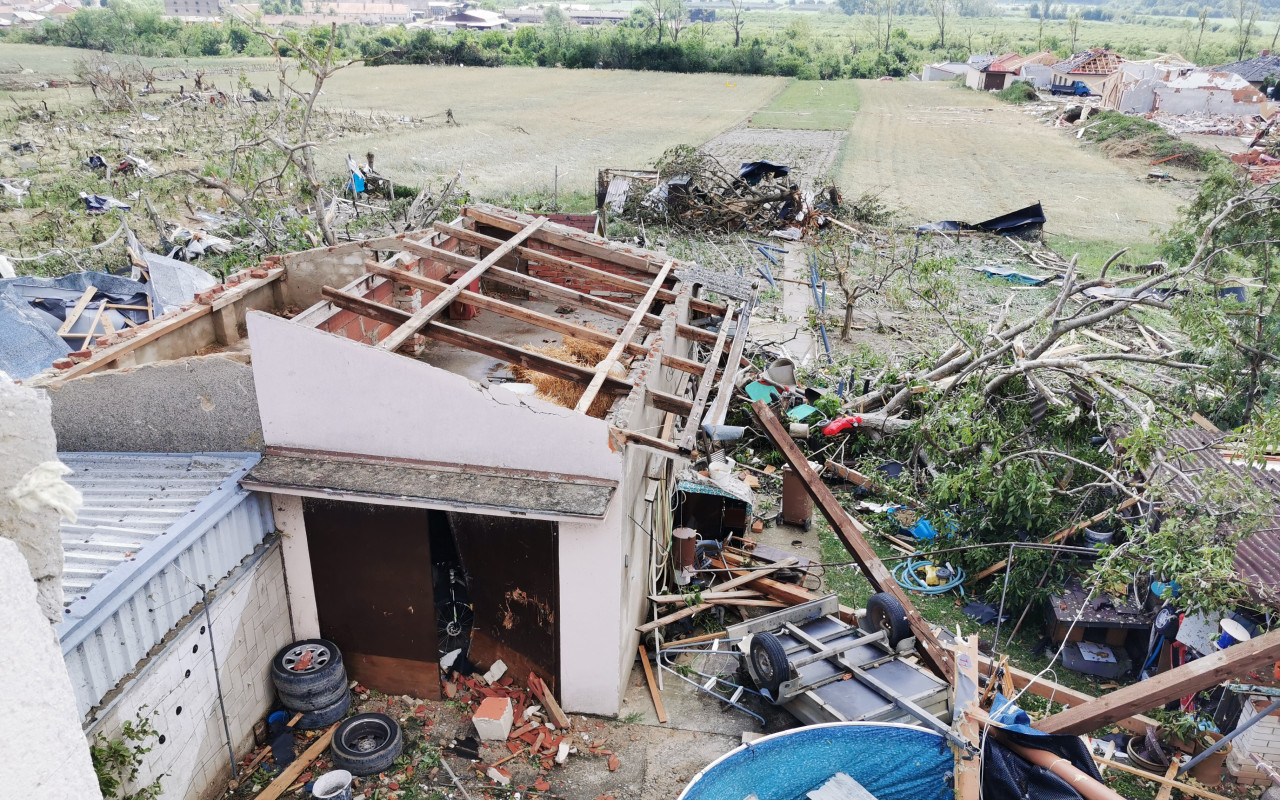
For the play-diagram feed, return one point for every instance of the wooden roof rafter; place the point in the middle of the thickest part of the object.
(423, 317)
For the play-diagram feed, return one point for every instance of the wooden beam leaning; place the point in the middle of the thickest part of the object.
(689, 435)
(853, 535)
(472, 341)
(624, 338)
(423, 316)
(75, 312)
(603, 276)
(580, 246)
(1236, 661)
(724, 393)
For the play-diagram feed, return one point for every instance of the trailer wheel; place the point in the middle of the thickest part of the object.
(367, 744)
(885, 613)
(770, 662)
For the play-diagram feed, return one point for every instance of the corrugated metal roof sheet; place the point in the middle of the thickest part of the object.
(1258, 556)
(153, 527)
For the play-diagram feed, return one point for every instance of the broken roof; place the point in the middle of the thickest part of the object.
(1098, 61)
(1258, 555)
(153, 526)
(1009, 62)
(1254, 70)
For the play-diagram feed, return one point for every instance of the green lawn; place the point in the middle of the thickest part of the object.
(810, 106)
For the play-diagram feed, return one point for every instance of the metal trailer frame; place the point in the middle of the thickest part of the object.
(844, 673)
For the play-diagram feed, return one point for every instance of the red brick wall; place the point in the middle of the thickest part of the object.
(591, 286)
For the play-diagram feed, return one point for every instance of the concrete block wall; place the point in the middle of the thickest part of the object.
(1263, 739)
(176, 687)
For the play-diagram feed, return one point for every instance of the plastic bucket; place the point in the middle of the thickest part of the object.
(335, 785)
(782, 371)
(1098, 538)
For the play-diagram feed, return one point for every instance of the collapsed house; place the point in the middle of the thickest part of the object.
(1131, 88)
(998, 73)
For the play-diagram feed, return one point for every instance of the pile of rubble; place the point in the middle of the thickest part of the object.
(1216, 124)
(1262, 159)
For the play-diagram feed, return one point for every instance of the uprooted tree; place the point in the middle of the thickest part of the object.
(1012, 428)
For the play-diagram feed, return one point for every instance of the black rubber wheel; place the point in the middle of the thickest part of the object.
(319, 680)
(808, 523)
(885, 613)
(770, 663)
(324, 717)
(367, 744)
(315, 701)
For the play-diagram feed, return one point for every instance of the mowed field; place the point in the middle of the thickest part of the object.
(939, 152)
(516, 125)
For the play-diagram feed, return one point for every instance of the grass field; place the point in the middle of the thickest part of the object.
(938, 152)
(810, 105)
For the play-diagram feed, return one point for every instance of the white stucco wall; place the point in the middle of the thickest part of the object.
(47, 757)
(298, 578)
(177, 686)
(325, 392)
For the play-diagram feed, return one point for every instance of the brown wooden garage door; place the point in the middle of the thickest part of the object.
(512, 568)
(372, 570)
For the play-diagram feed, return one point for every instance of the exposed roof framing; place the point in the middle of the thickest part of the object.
(505, 245)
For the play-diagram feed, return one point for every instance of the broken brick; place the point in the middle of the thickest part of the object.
(541, 785)
(258, 272)
(614, 763)
(63, 363)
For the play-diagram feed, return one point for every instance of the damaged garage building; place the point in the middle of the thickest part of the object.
(393, 473)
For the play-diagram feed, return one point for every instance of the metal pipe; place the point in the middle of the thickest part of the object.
(1003, 593)
(1225, 740)
(217, 681)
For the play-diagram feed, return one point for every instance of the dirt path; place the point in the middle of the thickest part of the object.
(939, 152)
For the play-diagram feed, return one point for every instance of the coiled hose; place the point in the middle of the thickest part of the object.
(906, 576)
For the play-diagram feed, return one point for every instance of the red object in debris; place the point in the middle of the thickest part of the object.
(541, 785)
(614, 763)
(303, 662)
(840, 425)
(459, 309)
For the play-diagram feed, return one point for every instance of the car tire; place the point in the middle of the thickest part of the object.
(321, 677)
(314, 702)
(769, 661)
(324, 717)
(885, 613)
(367, 744)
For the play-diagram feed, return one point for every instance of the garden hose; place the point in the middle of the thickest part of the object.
(913, 576)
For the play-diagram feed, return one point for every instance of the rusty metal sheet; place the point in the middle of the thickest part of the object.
(512, 568)
(372, 570)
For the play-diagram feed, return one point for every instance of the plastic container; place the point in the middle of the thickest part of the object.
(335, 785)
(1098, 538)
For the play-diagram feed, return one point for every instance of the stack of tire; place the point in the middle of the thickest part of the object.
(311, 679)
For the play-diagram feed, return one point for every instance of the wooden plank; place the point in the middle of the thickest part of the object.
(724, 393)
(628, 332)
(1186, 788)
(667, 402)
(652, 442)
(789, 593)
(424, 315)
(1166, 790)
(1205, 423)
(689, 435)
(473, 341)
(1058, 537)
(724, 587)
(1047, 689)
(968, 769)
(574, 268)
(653, 685)
(570, 296)
(853, 535)
(540, 690)
(77, 310)
(1097, 337)
(93, 326)
(1195, 676)
(290, 773)
(516, 311)
(577, 245)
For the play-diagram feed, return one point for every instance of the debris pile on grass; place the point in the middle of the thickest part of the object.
(1019, 92)
(565, 392)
